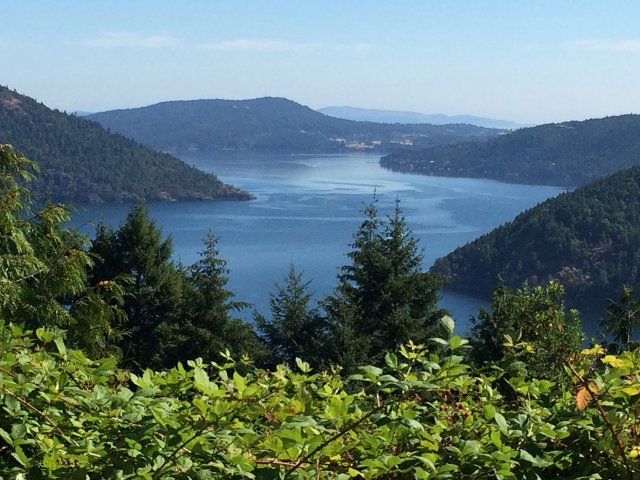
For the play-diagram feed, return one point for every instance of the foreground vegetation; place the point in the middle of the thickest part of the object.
(425, 415)
(117, 363)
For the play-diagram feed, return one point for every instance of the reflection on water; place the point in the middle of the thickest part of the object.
(309, 206)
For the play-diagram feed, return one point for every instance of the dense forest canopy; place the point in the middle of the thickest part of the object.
(83, 162)
(270, 125)
(563, 154)
(588, 240)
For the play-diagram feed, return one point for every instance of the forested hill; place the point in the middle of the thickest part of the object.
(587, 239)
(565, 154)
(83, 162)
(270, 125)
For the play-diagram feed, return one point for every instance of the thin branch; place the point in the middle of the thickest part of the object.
(339, 434)
(171, 458)
(603, 414)
(269, 461)
(35, 409)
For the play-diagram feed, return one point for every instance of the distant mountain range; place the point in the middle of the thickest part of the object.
(564, 154)
(82, 162)
(271, 125)
(396, 116)
(587, 239)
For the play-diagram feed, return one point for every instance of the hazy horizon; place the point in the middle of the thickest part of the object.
(530, 63)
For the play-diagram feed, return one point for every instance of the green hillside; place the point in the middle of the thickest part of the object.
(270, 125)
(566, 154)
(587, 239)
(83, 162)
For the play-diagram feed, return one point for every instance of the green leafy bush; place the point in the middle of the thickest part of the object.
(423, 416)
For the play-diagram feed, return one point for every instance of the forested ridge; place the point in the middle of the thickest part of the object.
(563, 154)
(270, 124)
(115, 362)
(83, 162)
(587, 239)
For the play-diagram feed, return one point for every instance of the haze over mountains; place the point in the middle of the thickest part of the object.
(271, 124)
(397, 116)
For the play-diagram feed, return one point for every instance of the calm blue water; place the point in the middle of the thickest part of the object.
(309, 206)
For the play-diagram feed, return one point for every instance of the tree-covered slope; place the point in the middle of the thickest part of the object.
(271, 125)
(588, 240)
(567, 154)
(83, 162)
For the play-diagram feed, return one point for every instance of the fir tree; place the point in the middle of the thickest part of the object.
(138, 256)
(207, 326)
(295, 329)
(622, 316)
(383, 298)
(43, 266)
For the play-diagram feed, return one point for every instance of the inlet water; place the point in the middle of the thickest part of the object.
(307, 209)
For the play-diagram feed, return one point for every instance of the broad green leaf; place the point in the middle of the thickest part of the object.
(616, 362)
(44, 335)
(60, 346)
(20, 456)
(455, 342)
(495, 439)
(448, 323)
(6, 437)
(200, 376)
(353, 472)
(595, 350)
(502, 423)
(200, 405)
(303, 366)
(631, 390)
(371, 373)
(489, 412)
(239, 382)
(391, 360)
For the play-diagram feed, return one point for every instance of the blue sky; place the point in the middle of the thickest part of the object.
(527, 61)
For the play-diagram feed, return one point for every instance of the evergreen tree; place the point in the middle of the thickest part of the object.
(622, 317)
(383, 298)
(295, 330)
(206, 324)
(43, 280)
(137, 255)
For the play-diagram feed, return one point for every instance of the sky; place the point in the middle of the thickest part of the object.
(526, 61)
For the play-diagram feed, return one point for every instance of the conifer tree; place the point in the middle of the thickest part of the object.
(137, 255)
(295, 329)
(383, 298)
(43, 279)
(207, 326)
(622, 316)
